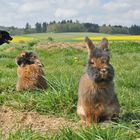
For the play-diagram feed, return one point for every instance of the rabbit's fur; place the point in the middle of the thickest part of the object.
(96, 96)
(30, 72)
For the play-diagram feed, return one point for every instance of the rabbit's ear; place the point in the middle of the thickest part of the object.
(104, 44)
(90, 44)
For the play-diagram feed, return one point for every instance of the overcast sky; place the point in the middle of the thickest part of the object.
(116, 12)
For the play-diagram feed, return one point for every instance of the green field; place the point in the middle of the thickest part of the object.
(66, 37)
(63, 68)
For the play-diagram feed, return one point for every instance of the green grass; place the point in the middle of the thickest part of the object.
(63, 68)
(113, 132)
(64, 37)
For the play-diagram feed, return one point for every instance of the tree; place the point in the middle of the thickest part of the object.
(71, 21)
(89, 27)
(65, 26)
(106, 29)
(27, 29)
(38, 27)
(134, 30)
(118, 29)
(44, 27)
(63, 22)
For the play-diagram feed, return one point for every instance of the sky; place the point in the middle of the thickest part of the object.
(115, 12)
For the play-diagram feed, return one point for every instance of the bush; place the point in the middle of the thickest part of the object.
(50, 39)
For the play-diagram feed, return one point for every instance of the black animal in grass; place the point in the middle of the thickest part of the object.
(4, 37)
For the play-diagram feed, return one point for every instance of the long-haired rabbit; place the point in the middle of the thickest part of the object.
(30, 72)
(96, 96)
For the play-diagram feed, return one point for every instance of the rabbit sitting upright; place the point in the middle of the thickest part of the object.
(96, 96)
(30, 72)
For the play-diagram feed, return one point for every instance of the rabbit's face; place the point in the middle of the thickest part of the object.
(28, 58)
(99, 69)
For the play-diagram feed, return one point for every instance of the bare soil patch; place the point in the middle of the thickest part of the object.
(50, 45)
(12, 120)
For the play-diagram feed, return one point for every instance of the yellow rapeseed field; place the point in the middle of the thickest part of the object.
(113, 38)
(21, 39)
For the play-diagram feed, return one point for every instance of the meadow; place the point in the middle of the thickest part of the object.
(63, 68)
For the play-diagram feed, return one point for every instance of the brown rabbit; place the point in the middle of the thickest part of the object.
(96, 96)
(30, 72)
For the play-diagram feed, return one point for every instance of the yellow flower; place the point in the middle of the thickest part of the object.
(21, 39)
(115, 38)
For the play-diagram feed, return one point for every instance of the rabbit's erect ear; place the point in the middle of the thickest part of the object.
(104, 44)
(90, 44)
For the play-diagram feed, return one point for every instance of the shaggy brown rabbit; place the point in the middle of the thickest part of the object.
(30, 72)
(96, 96)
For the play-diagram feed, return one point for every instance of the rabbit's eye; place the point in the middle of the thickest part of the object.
(91, 62)
(103, 61)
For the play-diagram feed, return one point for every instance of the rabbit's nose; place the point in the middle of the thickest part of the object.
(103, 70)
(38, 62)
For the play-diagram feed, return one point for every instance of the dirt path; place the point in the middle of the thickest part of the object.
(11, 120)
(50, 45)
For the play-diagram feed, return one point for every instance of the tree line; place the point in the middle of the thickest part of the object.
(74, 26)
